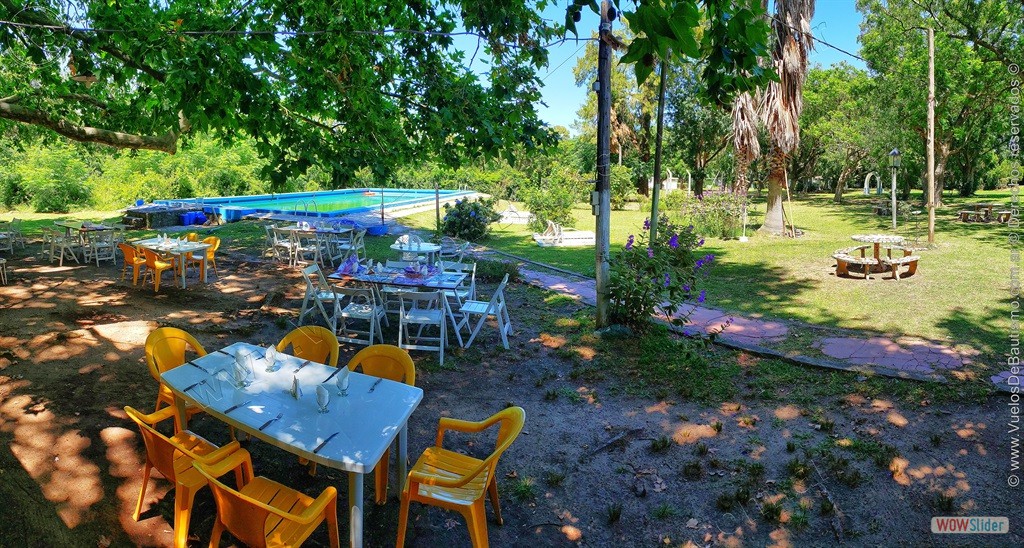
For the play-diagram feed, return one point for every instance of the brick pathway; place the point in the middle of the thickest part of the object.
(845, 349)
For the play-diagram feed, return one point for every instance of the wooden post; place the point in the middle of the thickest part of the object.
(656, 191)
(601, 199)
(930, 192)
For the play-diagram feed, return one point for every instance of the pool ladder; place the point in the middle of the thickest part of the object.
(305, 207)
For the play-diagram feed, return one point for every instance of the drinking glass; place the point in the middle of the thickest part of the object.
(323, 397)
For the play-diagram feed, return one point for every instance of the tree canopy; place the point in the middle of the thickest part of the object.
(339, 84)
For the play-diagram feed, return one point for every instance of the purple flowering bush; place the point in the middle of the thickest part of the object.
(657, 277)
(469, 220)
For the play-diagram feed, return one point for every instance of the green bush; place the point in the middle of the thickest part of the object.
(622, 188)
(553, 200)
(469, 220)
(12, 192)
(54, 178)
(717, 214)
(656, 278)
(491, 271)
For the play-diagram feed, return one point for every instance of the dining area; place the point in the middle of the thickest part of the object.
(296, 401)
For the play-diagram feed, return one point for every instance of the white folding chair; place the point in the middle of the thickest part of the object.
(389, 293)
(466, 291)
(320, 297)
(305, 247)
(361, 304)
(65, 245)
(17, 236)
(284, 244)
(452, 250)
(423, 309)
(496, 307)
(6, 239)
(101, 247)
(327, 244)
(354, 245)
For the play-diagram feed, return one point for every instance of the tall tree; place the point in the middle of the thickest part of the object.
(975, 43)
(342, 84)
(745, 142)
(783, 101)
(699, 131)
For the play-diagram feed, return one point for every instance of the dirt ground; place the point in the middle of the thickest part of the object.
(597, 465)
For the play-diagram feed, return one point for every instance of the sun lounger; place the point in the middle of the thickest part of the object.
(556, 236)
(512, 216)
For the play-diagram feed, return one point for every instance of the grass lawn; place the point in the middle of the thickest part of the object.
(960, 293)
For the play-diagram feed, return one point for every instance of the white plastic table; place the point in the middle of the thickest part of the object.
(179, 248)
(363, 424)
(431, 250)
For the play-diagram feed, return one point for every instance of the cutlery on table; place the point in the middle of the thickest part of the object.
(323, 443)
(303, 364)
(336, 371)
(193, 385)
(201, 368)
(374, 387)
(236, 406)
(266, 424)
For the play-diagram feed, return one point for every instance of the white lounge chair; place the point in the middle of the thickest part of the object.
(512, 216)
(557, 236)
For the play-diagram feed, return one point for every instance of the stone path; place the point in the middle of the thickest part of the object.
(850, 350)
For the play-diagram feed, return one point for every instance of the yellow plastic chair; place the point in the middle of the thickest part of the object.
(458, 482)
(155, 267)
(312, 342)
(131, 260)
(392, 363)
(174, 458)
(165, 350)
(264, 512)
(211, 258)
(192, 236)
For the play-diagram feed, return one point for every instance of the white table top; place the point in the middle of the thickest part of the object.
(877, 238)
(425, 247)
(174, 246)
(366, 422)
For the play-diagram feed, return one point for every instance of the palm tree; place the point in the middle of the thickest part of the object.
(744, 139)
(783, 101)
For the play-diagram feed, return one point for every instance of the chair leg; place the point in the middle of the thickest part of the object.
(218, 529)
(476, 520)
(403, 518)
(492, 490)
(183, 498)
(332, 524)
(142, 492)
(380, 477)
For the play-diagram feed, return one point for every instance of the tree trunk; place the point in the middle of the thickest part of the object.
(774, 222)
(844, 175)
(739, 184)
(941, 157)
(698, 182)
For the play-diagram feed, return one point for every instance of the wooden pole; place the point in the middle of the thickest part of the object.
(930, 193)
(601, 199)
(656, 191)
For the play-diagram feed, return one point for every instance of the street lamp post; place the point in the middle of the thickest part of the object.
(894, 164)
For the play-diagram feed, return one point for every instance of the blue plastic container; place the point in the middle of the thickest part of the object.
(183, 219)
(199, 219)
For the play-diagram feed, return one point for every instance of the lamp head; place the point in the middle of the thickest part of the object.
(894, 158)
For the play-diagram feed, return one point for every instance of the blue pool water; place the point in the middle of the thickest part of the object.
(330, 203)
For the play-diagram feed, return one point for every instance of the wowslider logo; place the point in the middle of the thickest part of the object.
(971, 525)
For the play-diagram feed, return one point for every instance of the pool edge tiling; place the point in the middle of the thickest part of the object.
(234, 208)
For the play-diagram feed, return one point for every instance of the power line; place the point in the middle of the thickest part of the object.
(816, 39)
(573, 56)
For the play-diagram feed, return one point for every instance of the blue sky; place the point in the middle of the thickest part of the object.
(835, 21)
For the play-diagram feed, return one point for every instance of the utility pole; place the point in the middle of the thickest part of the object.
(655, 192)
(930, 193)
(600, 199)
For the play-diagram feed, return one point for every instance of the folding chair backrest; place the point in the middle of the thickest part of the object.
(315, 280)
(385, 361)
(282, 235)
(421, 300)
(497, 301)
(312, 342)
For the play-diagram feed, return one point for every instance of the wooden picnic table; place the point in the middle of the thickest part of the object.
(878, 240)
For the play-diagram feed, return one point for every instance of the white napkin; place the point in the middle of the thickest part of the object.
(342, 379)
(322, 396)
(270, 356)
(296, 389)
(379, 267)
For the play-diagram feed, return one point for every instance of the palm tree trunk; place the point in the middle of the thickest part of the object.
(774, 222)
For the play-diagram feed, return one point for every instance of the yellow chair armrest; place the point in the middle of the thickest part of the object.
(319, 506)
(219, 453)
(158, 416)
(228, 462)
(459, 425)
(417, 476)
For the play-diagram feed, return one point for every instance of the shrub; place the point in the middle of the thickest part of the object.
(469, 220)
(622, 188)
(658, 277)
(493, 271)
(716, 214)
(54, 178)
(553, 200)
(12, 192)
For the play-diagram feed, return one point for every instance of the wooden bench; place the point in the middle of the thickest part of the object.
(1003, 216)
(972, 216)
(844, 260)
(894, 264)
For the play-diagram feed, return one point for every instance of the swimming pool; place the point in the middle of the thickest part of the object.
(329, 203)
